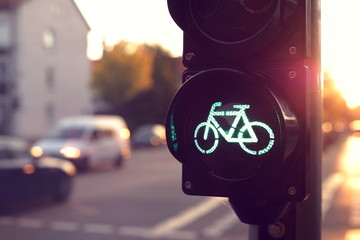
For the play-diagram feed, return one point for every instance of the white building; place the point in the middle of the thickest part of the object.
(44, 69)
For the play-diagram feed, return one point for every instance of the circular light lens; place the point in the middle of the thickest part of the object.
(227, 122)
(228, 21)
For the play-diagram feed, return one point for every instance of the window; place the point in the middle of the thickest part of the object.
(49, 38)
(50, 113)
(49, 78)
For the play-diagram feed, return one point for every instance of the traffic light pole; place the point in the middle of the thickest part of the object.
(303, 222)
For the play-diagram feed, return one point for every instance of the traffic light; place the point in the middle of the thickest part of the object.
(246, 119)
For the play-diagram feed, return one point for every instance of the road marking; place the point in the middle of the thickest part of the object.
(148, 233)
(220, 226)
(99, 228)
(186, 217)
(30, 223)
(170, 227)
(354, 218)
(135, 231)
(7, 221)
(64, 226)
(329, 187)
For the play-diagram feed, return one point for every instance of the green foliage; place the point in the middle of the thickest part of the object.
(122, 74)
(137, 81)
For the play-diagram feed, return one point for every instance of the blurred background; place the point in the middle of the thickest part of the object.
(63, 58)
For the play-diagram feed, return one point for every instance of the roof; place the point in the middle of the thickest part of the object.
(9, 3)
(14, 3)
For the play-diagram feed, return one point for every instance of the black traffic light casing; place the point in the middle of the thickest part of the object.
(264, 76)
(277, 35)
(283, 172)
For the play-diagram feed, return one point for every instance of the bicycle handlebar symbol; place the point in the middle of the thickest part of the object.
(230, 136)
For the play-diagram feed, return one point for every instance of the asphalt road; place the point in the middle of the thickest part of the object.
(341, 190)
(143, 200)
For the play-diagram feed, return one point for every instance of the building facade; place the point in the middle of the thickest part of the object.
(44, 69)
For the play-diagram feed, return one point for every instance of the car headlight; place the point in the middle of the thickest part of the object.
(70, 152)
(36, 151)
(125, 133)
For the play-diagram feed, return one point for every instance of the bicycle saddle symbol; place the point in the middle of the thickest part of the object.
(211, 124)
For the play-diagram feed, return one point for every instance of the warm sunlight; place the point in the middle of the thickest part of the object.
(340, 46)
(350, 164)
(115, 20)
(136, 21)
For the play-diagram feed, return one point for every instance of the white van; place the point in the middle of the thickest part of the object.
(87, 141)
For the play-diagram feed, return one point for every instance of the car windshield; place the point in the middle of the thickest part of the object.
(68, 132)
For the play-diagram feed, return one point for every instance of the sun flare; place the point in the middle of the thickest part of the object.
(340, 46)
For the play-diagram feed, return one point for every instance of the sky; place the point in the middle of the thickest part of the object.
(132, 20)
(149, 21)
(341, 46)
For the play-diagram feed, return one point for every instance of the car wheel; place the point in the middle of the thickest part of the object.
(63, 189)
(118, 161)
(83, 165)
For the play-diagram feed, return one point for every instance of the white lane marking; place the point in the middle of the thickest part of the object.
(220, 226)
(329, 187)
(354, 218)
(186, 217)
(64, 226)
(30, 223)
(135, 231)
(99, 228)
(148, 233)
(7, 221)
(170, 227)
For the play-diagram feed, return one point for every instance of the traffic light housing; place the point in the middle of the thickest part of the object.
(246, 121)
(241, 32)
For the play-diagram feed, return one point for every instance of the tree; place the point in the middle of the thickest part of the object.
(138, 82)
(150, 106)
(335, 108)
(336, 114)
(122, 73)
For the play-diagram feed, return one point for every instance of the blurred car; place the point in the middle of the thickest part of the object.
(23, 178)
(149, 135)
(87, 141)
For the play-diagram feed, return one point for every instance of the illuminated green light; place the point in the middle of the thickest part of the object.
(212, 124)
(175, 146)
(172, 129)
(173, 134)
(205, 137)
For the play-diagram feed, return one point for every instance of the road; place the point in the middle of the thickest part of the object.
(341, 190)
(143, 200)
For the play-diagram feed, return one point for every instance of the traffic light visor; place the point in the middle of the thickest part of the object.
(231, 21)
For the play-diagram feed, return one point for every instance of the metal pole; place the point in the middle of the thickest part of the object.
(303, 221)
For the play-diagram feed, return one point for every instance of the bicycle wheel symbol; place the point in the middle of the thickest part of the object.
(206, 135)
(203, 143)
(249, 127)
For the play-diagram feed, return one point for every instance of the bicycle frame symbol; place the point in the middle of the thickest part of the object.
(230, 136)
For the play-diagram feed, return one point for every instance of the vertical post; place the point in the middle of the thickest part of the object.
(303, 221)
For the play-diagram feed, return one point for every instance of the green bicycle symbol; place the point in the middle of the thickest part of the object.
(230, 136)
